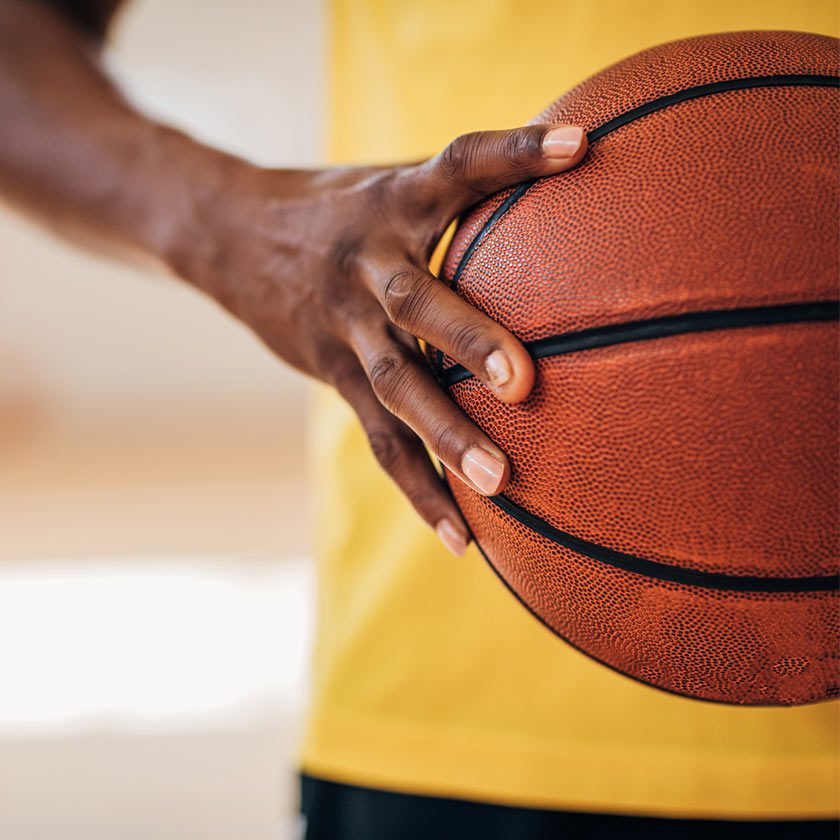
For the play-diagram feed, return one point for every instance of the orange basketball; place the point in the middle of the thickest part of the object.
(673, 504)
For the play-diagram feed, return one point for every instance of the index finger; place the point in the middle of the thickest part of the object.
(420, 304)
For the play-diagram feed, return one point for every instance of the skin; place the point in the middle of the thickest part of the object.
(328, 267)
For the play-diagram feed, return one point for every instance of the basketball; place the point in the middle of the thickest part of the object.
(672, 509)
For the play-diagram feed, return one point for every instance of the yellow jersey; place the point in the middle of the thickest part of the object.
(428, 676)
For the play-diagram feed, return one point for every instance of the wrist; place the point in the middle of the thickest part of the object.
(189, 189)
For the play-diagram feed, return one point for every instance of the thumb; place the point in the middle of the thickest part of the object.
(484, 162)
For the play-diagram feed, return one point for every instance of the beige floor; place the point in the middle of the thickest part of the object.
(154, 602)
(154, 630)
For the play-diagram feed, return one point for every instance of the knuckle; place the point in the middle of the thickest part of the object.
(456, 159)
(386, 374)
(404, 297)
(467, 342)
(521, 147)
(445, 440)
(398, 287)
(387, 448)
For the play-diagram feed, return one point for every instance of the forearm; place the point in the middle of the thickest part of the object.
(328, 267)
(77, 155)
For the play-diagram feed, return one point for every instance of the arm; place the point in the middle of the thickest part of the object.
(328, 267)
(74, 153)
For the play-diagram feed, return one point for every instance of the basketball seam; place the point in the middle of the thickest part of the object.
(599, 660)
(665, 327)
(664, 571)
(687, 695)
(476, 241)
(651, 107)
(698, 91)
(647, 108)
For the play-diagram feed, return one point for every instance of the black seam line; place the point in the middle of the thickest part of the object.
(465, 258)
(497, 214)
(794, 80)
(664, 571)
(555, 632)
(692, 322)
(798, 80)
(577, 646)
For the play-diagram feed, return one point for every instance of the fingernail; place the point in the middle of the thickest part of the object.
(562, 142)
(484, 470)
(451, 537)
(498, 368)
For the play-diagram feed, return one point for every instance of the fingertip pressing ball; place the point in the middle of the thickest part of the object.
(672, 510)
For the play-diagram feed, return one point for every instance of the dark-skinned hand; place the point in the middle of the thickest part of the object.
(330, 269)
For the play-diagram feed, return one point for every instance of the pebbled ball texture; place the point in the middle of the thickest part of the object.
(710, 451)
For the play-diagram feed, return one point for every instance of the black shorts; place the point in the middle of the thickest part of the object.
(335, 811)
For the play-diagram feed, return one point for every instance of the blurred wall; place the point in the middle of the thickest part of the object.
(135, 415)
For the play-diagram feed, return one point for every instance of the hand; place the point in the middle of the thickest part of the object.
(330, 269)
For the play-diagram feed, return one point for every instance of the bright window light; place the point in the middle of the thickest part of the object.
(153, 642)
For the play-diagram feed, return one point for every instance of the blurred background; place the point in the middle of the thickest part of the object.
(155, 588)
